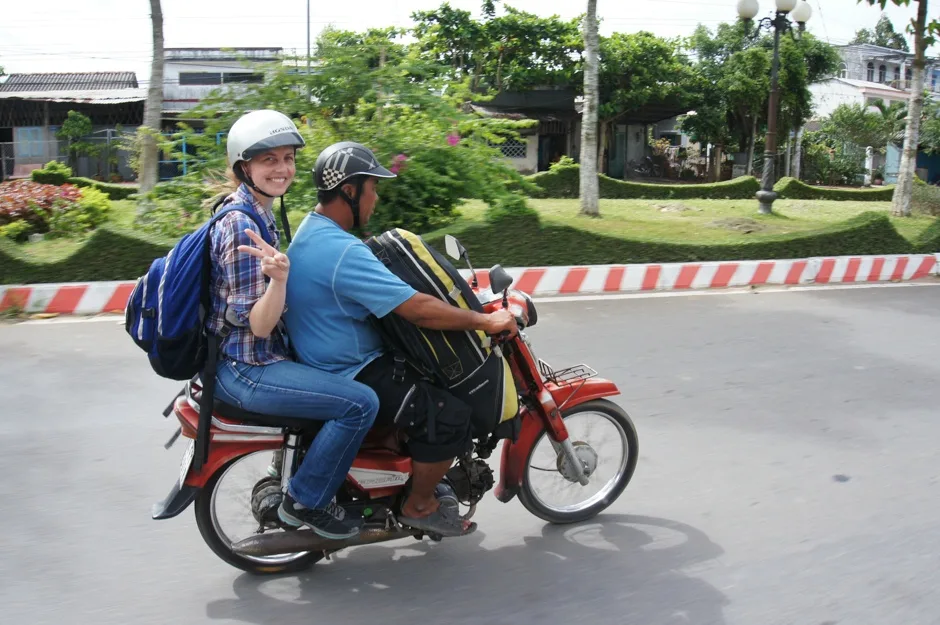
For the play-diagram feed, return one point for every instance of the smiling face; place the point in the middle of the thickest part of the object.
(272, 171)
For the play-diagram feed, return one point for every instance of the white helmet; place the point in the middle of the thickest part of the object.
(259, 131)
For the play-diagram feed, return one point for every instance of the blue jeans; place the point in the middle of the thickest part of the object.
(292, 389)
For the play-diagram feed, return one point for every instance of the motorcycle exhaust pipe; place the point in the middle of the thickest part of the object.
(279, 543)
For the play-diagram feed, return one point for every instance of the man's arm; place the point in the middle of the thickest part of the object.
(429, 312)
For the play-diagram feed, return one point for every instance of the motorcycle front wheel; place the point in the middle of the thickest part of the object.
(606, 442)
(224, 517)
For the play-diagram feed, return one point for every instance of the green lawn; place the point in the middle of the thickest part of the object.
(698, 221)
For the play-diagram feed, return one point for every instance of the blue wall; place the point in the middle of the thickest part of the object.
(893, 163)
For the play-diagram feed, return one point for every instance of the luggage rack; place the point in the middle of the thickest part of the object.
(568, 376)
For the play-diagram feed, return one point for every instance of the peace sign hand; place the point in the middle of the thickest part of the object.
(274, 264)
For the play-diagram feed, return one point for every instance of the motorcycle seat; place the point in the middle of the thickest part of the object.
(234, 413)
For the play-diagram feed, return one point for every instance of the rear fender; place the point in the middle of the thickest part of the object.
(515, 454)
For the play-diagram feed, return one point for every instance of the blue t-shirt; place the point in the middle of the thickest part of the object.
(335, 283)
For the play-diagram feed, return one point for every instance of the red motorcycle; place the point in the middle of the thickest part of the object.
(557, 464)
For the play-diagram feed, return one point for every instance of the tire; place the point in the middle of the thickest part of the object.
(619, 417)
(219, 546)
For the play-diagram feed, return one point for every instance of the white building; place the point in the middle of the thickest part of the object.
(190, 74)
(829, 94)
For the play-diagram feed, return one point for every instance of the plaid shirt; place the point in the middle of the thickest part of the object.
(237, 283)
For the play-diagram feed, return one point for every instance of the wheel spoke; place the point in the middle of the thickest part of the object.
(230, 509)
(601, 439)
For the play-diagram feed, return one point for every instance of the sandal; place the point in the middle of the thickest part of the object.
(445, 521)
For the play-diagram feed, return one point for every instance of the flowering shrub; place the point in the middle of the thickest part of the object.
(61, 210)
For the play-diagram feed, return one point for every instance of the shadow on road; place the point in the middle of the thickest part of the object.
(621, 568)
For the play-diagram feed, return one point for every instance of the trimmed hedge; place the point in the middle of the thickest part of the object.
(792, 189)
(114, 191)
(45, 176)
(111, 253)
(868, 233)
(564, 182)
(108, 254)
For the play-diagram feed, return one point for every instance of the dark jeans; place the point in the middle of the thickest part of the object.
(292, 389)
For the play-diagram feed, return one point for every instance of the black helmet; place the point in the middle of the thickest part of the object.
(342, 161)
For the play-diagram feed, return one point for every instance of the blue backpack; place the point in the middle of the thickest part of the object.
(166, 313)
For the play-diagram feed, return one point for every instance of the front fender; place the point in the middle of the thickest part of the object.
(515, 454)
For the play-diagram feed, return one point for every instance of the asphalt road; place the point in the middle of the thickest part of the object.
(788, 474)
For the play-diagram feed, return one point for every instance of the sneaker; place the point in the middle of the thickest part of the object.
(277, 459)
(329, 522)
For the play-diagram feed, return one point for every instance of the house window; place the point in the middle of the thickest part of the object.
(844, 73)
(882, 74)
(243, 78)
(871, 72)
(897, 76)
(513, 148)
(200, 78)
(908, 77)
(30, 142)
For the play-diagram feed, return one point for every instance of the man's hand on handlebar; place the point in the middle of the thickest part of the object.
(500, 322)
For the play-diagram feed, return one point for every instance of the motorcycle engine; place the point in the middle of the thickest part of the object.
(471, 479)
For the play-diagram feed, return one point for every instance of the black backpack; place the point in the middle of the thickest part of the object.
(462, 362)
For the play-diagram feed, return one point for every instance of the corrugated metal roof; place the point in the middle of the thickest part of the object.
(83, 81)
(92, 96)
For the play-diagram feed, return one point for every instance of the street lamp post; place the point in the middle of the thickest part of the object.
(800, 12)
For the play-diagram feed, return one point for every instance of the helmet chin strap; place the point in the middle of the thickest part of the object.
(354, 202)
(244, 177)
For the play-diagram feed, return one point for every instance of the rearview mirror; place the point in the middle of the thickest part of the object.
(453, 247)
(500, 280)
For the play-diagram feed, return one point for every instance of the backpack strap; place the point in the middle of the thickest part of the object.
(214, 341)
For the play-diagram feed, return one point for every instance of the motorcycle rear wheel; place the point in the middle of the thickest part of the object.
(210, 527)
(594, 503)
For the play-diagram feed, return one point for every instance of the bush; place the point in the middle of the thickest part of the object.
(868, 233)
(15, 231)
(792, 189)
(925, 199)
(91, 210)
(564, 182)
(113, 191)
(33, 202)
(53, 173)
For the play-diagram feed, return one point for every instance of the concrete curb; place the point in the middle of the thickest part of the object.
(101, 297)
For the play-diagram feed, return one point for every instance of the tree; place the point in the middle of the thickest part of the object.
(925, 34)
(855, 124)
(153, 108)
(930, 130)
(407, 108)
(732, 80)
(507, 52)
(75, 128)
(638, 70)
(884, 35)
(589, 183)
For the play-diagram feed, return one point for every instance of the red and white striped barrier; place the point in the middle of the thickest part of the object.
(716, 275)
(103, 297)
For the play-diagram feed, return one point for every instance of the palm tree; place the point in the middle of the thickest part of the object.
(589, 183)
(153, 108)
